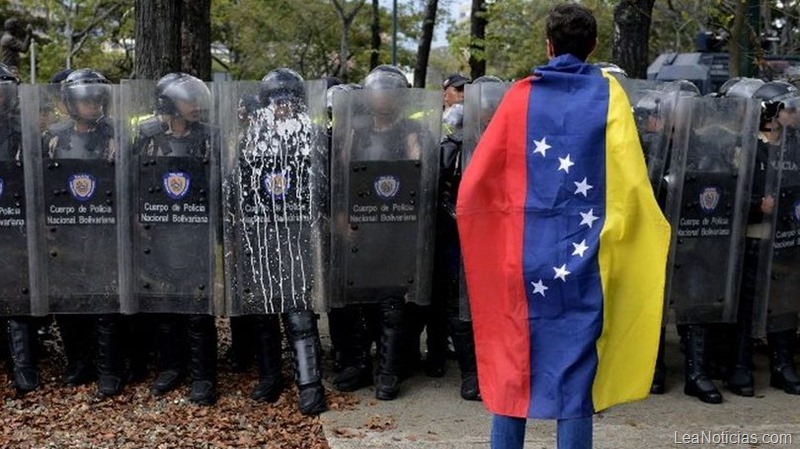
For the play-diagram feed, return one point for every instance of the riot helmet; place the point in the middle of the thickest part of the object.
(332, 91)
(183, 96)
(8, 90)
(12, 25)
(774, 97)
(487, 79)
(739, 87)
(381, 85)
(281, 86)
(87, 95)
(388, 68)
(612, 69)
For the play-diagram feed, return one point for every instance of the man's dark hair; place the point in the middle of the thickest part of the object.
(571, 28)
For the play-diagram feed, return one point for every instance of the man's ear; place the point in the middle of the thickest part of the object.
(550, 51)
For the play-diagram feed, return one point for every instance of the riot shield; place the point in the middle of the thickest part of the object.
(776, 304)
(71, 147)
(276, 188)
(170, 153)
(708, 194)
(15, 297)
(653, 103)
(384, 173)
(480, 102)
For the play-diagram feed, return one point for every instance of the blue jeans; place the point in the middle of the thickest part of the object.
(509, 433)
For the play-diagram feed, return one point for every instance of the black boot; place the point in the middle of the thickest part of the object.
(698, 384)
(356, 372)
(303, 335)
(339, 325)
(387, 379)
(740, 376)
(783, 374)
(464, 342)
(241, 352)
(436, 341)
(172, 332)
(202, 338)
(268, 358)
(78, 336)
(110, 357)
(660, 375)
(21, 342)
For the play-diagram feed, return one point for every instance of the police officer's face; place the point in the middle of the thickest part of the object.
(188, 110)
(453, 95)
(789, 117)
(382, 102)
(89, 109)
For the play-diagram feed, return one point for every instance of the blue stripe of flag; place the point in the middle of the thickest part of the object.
(569, 111)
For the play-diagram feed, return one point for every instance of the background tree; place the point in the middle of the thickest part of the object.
(423, 53)
(346, 16)
(196, 38)
(632, 35)
(477, 43)
(158, 38)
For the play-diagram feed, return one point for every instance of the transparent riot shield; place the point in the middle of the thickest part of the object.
(708, 194)
(15, 294)
(276, 189)
(170, 153)
(480, 102)
(653, 103)
(384, 182)
(776, 304)
(71, 145)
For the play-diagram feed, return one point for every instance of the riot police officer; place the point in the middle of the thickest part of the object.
(88, 134)
(178, 130)
(21, 329)
(278, 145)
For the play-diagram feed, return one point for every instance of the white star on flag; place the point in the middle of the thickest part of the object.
(539, 287)
(541, 146)
(588, 218)
(583, 187)
(561, 272)
(565, 164)
(580, 248)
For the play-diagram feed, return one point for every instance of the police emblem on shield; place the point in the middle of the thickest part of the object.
(176, 184)
(81, 186)
(709, 199)
(277, 184)
(387, 186)
(795, 210)
(2, 187)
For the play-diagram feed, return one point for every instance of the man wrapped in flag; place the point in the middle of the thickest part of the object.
(564, 246)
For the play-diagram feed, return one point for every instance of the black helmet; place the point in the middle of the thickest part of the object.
(380, 79)
(611, 68)
(283, 84)
(739, 87)
(11, 25)
(175, 88)
(487, 79)
(388, 68)
(331, 81)
(333, 90)
(86, 85)
(8, 90)
(773, 97)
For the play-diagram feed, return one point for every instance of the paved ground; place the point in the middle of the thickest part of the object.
(430, 414)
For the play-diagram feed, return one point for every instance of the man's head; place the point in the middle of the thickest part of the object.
(183, 96)
(453, 87)
(571, 28)
(87, 95)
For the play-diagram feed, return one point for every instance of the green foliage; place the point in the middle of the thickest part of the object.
(515, 36)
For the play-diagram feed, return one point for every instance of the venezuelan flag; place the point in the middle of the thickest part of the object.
(564, 248)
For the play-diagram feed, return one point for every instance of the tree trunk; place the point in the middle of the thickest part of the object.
(196, 38)
(632, 35)
(347, 18)
(424, 50)
(477, 45)
(375, 51)
(158, 38)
